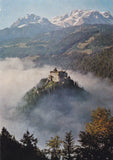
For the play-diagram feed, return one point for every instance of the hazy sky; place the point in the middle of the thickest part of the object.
(11, 10)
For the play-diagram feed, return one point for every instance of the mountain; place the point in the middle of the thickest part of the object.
(32, 25)
(30, 19)
(75, 47)
(88, 48)
(80, 17)
(27, 27)
(57, 86)
(76, 40)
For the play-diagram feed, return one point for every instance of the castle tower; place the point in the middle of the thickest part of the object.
(57, 76)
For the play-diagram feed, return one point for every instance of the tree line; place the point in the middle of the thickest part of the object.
(95, 142)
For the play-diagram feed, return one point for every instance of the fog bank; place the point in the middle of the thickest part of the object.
(53, 115)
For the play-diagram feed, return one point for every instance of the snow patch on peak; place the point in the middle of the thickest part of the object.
(106, 14)
(30, 19)
(78, 17)
(44, 21)
(21, 26)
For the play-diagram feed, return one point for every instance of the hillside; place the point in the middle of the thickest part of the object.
(27, 27)
(86, 39)
(57, 86)
(101, 64)
(85, 48)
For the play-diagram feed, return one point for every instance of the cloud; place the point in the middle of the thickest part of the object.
(55, 113)
(16, 77)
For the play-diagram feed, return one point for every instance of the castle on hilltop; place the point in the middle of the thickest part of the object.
(58, 76)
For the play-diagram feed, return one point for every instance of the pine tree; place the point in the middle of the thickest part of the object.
(10, 147)
(68, 145)
(29, 141)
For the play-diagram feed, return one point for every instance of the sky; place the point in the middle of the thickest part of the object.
(11, 10)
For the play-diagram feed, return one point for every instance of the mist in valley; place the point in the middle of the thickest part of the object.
(54, 114)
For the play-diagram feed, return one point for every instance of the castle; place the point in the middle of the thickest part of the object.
(57, 76)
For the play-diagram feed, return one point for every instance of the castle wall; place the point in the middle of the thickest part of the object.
(55, 77)
(58, 76)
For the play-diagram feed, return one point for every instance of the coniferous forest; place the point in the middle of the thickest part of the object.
(95, 142)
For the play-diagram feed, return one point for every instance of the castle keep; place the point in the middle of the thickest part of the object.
(57, 76)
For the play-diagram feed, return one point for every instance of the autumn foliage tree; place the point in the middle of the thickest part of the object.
(97, 140)
(54, 147)
(102, 123)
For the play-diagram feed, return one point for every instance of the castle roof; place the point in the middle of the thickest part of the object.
(54, 71)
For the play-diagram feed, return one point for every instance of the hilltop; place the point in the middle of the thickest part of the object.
(58, 84)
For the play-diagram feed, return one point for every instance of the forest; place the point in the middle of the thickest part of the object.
(94, 143)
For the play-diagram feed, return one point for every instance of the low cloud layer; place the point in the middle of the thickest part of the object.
(53, 115)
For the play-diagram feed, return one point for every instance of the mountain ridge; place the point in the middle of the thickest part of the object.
(30, 19)
(76, 17)
(32, 25)
(79, 17)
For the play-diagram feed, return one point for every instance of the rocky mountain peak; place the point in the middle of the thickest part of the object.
(79, 17)
(30, 19)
